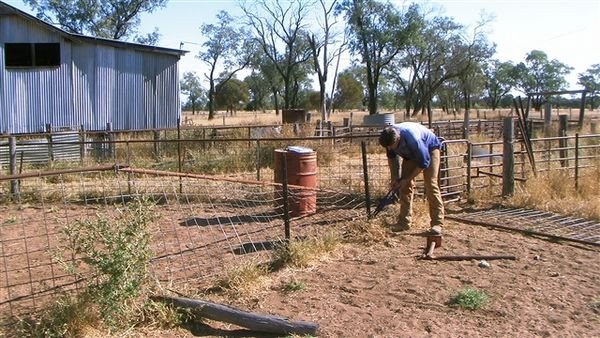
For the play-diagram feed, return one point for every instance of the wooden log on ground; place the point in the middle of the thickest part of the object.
(253, 321)
(476, 257)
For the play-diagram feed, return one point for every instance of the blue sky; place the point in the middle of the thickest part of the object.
(567, 30)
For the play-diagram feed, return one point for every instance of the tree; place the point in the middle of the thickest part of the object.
(190, 86)
(590, 80)
(259, 88)
(232, 95)
(499, 81)
(226, 47)
(378, 33)
(349, 92)
(322, 57)
(117, 20)
(281, 34)
(441, 52)
(538, 75)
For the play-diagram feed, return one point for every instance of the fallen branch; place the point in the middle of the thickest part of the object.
(469, 257)
(249, 320)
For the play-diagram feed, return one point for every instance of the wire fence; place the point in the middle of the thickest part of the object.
(220, 201)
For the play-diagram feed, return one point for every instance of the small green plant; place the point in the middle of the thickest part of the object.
(117, 251)
(469, 298)
(293, 286)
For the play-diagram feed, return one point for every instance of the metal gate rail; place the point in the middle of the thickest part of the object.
(536, 222)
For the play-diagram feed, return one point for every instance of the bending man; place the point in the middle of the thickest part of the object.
(419, 148)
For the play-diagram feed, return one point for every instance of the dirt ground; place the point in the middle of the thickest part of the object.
(385, 290)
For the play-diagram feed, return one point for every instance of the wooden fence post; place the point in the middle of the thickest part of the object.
(562, 141)
(14, 184)
(508, 158)
(156, 135)
(547, 119)
(594, 126)
(111, 146)
(82, 140)
(49, 138)
(258, 160)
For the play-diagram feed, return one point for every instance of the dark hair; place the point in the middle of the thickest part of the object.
(387, 137)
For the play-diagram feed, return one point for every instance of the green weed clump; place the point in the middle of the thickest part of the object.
(469, 298)
(113, 253)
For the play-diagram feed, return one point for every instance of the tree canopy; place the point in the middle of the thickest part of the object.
(109, 19)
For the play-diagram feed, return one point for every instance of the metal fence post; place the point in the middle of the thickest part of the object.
(286, 207)
(577, 162)
(179, 153)
(363, 146)
(508, 158)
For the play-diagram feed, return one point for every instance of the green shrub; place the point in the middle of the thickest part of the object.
(117, 250)
(469, 298)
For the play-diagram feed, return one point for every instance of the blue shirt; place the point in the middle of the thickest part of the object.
(416, 143)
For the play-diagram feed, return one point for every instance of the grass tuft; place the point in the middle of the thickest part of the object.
(469, 298)
(302, 253)
(244, 279)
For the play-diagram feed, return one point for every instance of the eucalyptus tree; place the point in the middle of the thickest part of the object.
(280, 31)
(259, 90)
(538, 75)
(320, 44)
(471, 79)
(499, 81)
(232, 95)
(349, 92)
(109, 19)
(225, 48)
(590, 80)
(190, 86)
(440, 52)
(378, 32)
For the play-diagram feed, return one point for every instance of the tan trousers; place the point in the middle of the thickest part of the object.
(432, 191)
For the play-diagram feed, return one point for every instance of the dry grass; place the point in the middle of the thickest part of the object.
(244, 278)
(244, 118)
(556, 192)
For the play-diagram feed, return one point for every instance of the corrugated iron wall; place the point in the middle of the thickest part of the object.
(96, 84)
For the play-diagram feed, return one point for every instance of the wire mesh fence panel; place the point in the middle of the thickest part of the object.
(204, 224)
(219, 201)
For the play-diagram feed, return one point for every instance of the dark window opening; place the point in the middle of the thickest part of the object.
(32, 54)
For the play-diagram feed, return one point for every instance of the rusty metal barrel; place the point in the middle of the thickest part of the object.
(301, 165)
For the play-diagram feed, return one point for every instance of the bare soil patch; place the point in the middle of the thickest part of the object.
(386, 290)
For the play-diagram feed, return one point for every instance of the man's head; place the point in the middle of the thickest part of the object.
(388, 137)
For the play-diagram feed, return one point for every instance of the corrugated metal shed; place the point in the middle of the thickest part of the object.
(99, 81)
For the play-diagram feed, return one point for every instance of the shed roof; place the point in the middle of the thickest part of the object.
(6, 9)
